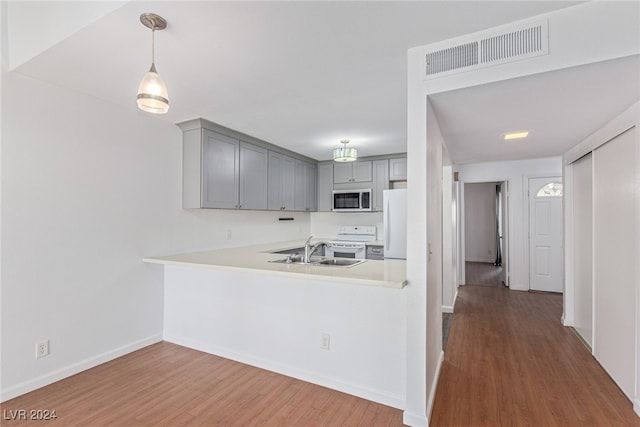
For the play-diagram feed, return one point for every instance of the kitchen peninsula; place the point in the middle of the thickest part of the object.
(385, 273)
(340, 327)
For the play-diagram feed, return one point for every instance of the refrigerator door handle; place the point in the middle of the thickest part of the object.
(387, 213)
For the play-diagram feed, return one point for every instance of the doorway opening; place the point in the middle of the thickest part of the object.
(485, 234)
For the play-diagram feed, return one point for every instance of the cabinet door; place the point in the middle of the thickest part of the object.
(253, 176)
(274, 196)
(362, 172)
(220, 171)
(325, 187)
(281, 178)
(311, 196)
(380, 183)
(288, 179)
(342, 173)
(299, 186)
(305, 186)
(398, 169)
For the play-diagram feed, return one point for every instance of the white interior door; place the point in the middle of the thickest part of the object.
(615, 173)
(546, 267)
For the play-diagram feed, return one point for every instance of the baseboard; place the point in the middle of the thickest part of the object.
(449, 308)
(414, 420)
(290, 371)
(83, 365)
(482, 260)
(434, 386)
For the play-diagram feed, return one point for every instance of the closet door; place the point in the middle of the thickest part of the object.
(615, 257)
(583, 247)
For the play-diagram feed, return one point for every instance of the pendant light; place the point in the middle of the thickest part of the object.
(344, 153)
(152, 92)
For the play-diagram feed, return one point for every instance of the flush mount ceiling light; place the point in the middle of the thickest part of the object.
(344, 153)
(152, 92)
(515, 135)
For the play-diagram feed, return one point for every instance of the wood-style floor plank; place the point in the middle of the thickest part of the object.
(169, 385)
(510, 362)
(482, 273)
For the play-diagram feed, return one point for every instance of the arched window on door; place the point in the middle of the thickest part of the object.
(552, 189)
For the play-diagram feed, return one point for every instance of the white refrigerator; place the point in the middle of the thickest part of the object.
(395, 223)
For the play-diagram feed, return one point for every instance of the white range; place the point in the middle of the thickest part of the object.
(351, 241)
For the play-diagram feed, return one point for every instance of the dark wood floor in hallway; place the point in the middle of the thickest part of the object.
(510, 362)
(483, 273)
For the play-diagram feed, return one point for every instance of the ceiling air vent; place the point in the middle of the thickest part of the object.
(486, 49)
(453, 58)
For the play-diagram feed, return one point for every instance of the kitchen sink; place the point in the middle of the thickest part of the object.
(341, 262)
(331, 262)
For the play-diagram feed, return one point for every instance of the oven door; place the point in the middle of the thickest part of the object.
(346, 250)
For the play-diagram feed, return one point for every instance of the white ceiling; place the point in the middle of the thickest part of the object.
(559, 109)
(304, 75)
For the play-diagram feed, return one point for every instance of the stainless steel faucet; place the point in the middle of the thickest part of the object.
(309, 249)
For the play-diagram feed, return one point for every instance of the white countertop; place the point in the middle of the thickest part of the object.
(384, 273)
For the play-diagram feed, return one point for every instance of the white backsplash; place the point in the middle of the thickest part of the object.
(325, 224)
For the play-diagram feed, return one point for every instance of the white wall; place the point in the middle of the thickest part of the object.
(517, 174)
(434, 256)
(276, 323)
(88, 190)
(480, 222)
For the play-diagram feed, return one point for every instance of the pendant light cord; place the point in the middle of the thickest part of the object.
(153, 45)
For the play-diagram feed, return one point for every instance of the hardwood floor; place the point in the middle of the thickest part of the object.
(510, 362)
(169, 385)
(482, 273)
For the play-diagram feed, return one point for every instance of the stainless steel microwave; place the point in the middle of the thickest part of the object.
(352, 200)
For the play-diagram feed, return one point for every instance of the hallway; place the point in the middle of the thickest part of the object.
(509, 361)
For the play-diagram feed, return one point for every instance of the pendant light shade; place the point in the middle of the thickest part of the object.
(152, 92)
(344, 153)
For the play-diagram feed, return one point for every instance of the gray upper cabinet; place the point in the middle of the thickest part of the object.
(380, 183)
(220, 171)
(398, 169)
(281, 181)
(253, 176)
(344, 173)
(325, 187)
(225, 169)
(223, 172)
(305, 186)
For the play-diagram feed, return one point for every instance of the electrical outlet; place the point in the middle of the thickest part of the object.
(42, 349)
(325, 341)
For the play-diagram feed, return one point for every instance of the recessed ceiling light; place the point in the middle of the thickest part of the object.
(515, 135)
